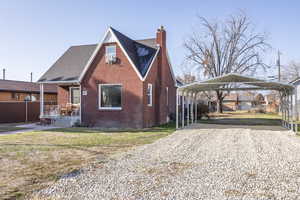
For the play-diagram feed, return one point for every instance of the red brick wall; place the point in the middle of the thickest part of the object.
(123, 73)
(166, 80)
(150, 118)
(135, 112)
(63, 95)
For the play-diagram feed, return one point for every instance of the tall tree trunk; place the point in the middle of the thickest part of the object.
(219, 102)
(219, 105)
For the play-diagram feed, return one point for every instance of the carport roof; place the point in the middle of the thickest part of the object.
(234, 81)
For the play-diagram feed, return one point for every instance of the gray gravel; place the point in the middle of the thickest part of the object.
(222, 164)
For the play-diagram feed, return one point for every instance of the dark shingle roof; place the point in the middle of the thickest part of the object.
(148, 42)
(22, 86)
(140, 52)
(71, 64)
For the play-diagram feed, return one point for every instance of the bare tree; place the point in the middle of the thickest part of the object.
(186, 78)
(291, 71)
(232, 46)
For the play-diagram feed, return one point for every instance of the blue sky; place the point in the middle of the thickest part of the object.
(35, 33)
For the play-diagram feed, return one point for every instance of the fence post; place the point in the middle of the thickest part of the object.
(26, 111)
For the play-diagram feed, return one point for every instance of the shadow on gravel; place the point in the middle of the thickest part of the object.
(248, 123)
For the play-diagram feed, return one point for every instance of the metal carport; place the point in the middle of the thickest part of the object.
(234, 82)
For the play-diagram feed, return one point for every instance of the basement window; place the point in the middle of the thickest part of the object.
(149, 95)
(110, 96)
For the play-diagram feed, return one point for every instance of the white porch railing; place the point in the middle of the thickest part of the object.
(61, 116)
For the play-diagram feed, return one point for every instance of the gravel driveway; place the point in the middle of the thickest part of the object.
(220, 163)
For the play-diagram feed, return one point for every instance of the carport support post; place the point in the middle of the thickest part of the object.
(182, 111)
(296, 109)
(292, 113)
(288, 111)
(177, 98)
(281, 108)
(192, 109)
(196, 108)
(41, 100)
(285, 103)
(187, 109)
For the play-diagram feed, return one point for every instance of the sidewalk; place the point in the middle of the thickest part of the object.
(28, 128)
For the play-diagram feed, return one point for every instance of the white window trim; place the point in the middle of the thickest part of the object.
(99, 98)
(111, 45)
(151, 95)
(70, 93)
(167, 94)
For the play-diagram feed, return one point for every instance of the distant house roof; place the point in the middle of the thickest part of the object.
(247, 96)
(231, 97)
(22, 86)
(70, 66)
(178, 82)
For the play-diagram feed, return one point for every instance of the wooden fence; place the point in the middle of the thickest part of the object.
(12, 112)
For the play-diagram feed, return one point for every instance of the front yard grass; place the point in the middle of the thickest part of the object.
(243, 118)
(33, 160)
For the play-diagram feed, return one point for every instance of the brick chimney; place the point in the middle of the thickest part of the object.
(161, 38)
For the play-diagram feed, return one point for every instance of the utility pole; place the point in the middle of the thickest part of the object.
(31, 77)
(3, 74)
(278, 64)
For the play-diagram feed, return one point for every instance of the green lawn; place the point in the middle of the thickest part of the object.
(245, 114)
(34, 160)
(243, 118)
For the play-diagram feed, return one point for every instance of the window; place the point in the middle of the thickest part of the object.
(15, 96)
(149, 95)
(75, 95)
(110, 96)
(110, 50)
(167, 96)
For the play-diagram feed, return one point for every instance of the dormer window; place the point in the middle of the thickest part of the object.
(110, 54)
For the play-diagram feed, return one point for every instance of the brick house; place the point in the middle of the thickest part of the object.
(119, 82)
(20, 91)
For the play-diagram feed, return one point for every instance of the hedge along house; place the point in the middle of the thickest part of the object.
(119, 82)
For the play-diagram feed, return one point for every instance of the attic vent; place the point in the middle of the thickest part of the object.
(142, 51)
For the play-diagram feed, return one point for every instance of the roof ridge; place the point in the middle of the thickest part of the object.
(18, 81)
(80, 45)
(146, 39)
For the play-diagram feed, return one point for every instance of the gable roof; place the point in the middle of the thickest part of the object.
(70, 65)
(22, 86)
(73, 64)
(139, 53)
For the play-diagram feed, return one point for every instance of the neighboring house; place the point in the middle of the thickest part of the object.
(272, 102)
(29, 91)
(230, 102)
(242, 101)
(246, 100)
(119, 82)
